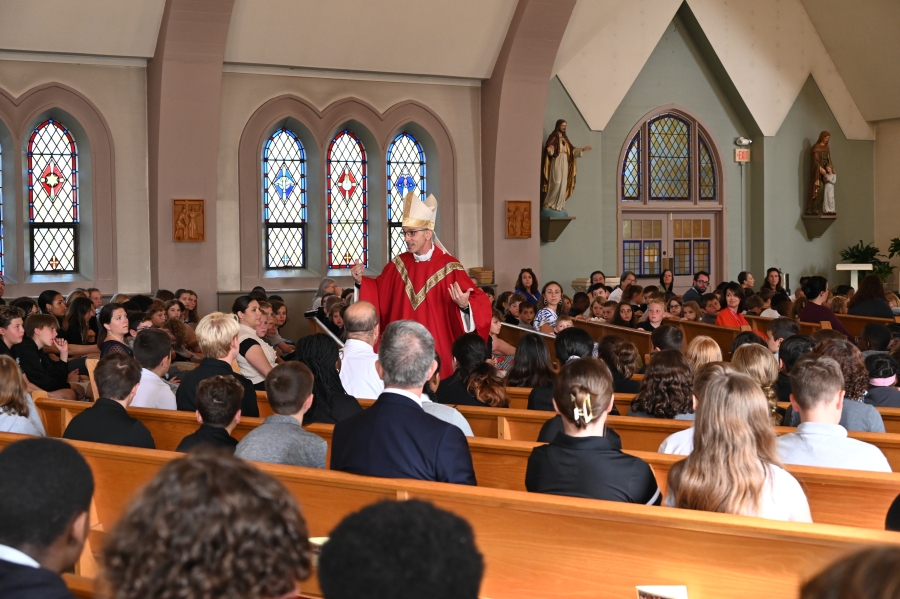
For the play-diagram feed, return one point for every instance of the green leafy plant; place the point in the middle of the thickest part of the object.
(869, 254)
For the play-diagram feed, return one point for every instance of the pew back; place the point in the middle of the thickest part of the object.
(539, 546)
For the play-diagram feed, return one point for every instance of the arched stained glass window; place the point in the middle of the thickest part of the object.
(347, 190)
(670, 158)
(707, 172)
(405, 173)
(631, 171)
(53, 198)
(284, 200)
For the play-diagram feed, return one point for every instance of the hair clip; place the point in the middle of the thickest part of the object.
(586, 413)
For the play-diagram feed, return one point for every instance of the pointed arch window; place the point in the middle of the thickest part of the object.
(405, 173)
(347, 202)
(53, 199)
(284, 200)
(669, 159)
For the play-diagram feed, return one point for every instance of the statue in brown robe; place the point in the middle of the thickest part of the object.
(821, 158)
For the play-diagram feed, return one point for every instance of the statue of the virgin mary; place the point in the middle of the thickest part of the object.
(821, 159)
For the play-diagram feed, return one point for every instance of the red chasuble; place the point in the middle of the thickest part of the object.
(420, 291)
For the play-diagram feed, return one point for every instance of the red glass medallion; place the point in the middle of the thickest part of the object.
(346, 184)
(52, 179)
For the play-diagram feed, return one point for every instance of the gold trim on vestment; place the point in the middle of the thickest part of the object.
(416, 299)
(418, 222)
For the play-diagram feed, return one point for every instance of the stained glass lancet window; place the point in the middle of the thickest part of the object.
(670, 158)
(347, 202)
(631, 170)
(707, 172)
(53, 198)
(405, 173)
(284, 200)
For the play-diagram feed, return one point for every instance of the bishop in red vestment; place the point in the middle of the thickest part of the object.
(427, 285)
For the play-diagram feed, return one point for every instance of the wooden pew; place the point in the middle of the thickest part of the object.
(518, 399)
(890, 417)
(598, 330)
(758, 323)
(844, 497)
(855, 324)
(513, 334)
(723, 336)
(541, 546)
(80, 586)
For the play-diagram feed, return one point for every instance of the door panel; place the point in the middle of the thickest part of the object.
(683, 242)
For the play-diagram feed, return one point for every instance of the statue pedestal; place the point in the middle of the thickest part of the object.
(553, 226)
(817, 224)
(854, 272)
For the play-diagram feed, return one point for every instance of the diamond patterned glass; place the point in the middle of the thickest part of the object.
(284, 246)
(631, 252)
(631, 171)
(405, 173)
(53, 198)
(284, 200)
(347, 202)
(670, 162)
(682, 258)
(53, 248)
(707, 173)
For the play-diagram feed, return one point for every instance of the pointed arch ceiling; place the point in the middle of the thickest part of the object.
(768, 47)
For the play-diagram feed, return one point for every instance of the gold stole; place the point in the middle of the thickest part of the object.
(416, 298)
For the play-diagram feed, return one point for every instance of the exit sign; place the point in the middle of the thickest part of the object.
(742, 155)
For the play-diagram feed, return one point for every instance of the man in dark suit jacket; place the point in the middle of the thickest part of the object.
(117, 377)
(395, 437)
(217, 335)
(45, 498)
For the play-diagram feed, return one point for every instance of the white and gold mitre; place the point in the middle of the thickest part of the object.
(419, 214)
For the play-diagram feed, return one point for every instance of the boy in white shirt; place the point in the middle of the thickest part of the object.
(817, 387)
(152, 350)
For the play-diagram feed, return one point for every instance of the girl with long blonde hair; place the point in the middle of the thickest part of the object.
(734, 467)
(702, 350)
(757, 362)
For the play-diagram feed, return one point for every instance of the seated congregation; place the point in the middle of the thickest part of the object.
(588, 364)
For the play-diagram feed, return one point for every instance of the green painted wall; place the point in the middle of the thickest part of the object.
(784, 242)
(764, 228)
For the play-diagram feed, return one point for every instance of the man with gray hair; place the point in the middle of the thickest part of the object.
(396, 438)
(358, 374)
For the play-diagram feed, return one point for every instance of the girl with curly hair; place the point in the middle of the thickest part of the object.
(208, 525)
(666, 388)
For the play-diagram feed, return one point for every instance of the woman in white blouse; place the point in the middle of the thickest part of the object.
(256, 357)
(734, 467)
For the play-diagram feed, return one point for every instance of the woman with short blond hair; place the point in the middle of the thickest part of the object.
(734, 467)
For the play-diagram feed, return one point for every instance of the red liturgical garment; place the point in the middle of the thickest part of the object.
(420, 291)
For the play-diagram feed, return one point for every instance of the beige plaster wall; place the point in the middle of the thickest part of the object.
(887, 186)
(243, 93)
(120, 95)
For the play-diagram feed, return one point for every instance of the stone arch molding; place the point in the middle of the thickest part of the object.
(17, 114)
(322, 126)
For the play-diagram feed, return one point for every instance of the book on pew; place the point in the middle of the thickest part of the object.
(662, 592)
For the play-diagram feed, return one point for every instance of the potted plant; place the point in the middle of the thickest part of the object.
(869, 254)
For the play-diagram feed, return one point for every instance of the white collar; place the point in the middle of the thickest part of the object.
(404, 393)
(359, 345)
(9, 554)
(426, 256)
